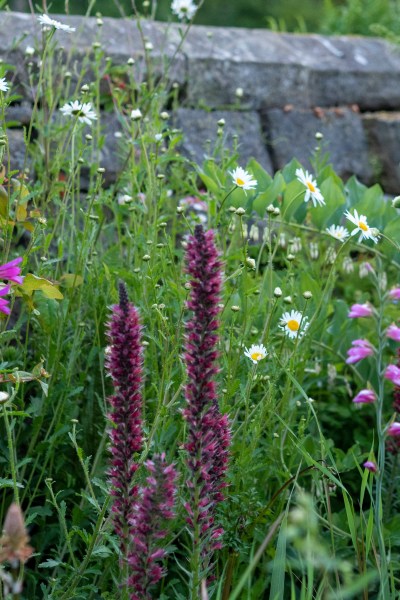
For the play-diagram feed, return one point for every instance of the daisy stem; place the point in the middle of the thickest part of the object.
(383, 567)
(223, 202)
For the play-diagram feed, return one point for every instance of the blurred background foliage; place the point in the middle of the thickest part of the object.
(363, 17)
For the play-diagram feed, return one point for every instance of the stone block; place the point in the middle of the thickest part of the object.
(291, 133)
(198, 126)
(383, 132)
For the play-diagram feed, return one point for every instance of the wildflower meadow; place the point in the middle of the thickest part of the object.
(200, 362)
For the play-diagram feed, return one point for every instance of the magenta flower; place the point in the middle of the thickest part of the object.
(154, 506)
(11, 271)
(370, 465)
(394, 293)
(365, 397)
(361, 349)
(208, 433)
(393, 373)
(360, 310)
(393, 332)
(124, 364)
(4, 308)
(394, 429)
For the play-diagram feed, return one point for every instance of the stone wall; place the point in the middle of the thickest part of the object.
(275, 91)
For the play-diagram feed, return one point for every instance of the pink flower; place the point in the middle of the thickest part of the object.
(393, 373)
(4, 308)
(394, 294)
(394, 429)
(360, 349)
(360, 310)
(11, 272)
(393, 332)
(365, 397)
(371, 466)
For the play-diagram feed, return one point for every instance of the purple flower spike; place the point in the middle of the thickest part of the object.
(124, 363)
(11, 271)
(371, 466)
(361, 349)
(360, 310)
(365, 397)
(155, 505)
(208, 432)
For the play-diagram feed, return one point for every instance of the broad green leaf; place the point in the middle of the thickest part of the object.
(33, 283)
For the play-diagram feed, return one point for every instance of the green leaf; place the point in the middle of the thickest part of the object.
(33, 283)
(276, 187)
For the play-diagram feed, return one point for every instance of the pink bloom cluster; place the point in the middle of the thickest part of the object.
(394, 293)
(393, 332)
(365, 397)
(124, 363)
(12, 272)
(208, 432)
(370, 465)
(155, 505)
(360, 349)
(360, 310)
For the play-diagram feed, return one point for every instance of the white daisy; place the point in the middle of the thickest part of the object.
(366, 232)
(293, 324)
(46, 21)
(83, 112)
(256, 352)
(243, 179)
(312, 190)
(184, 9)
(4, 86)
(338, 232)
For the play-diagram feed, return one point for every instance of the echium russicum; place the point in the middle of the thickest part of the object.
(208, 432)
(155, 505)
(124, 363)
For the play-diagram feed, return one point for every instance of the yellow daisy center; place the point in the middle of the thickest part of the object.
(362, 226)
(310, 186)
(239, 181)
(257, 356)
(293, 325)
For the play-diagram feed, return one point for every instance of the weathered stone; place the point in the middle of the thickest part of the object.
(383, 132)
(19, 113)
(17, 149)
(200, 134)
(275, 69)
(292, 134)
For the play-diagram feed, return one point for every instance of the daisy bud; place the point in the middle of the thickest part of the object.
(239, 92)
(221, 122)
(319, 135)
(164, 115)
(396, 202)
(277, 212)
(85, 88)
(307, 295)
(146, 257)
(240, 211)
(288, 299)
(4, 397)
(136, 114)
(235, 308)
(130, 61)
(290, 257)
(270, 208)
(277, 292)
(250, 262)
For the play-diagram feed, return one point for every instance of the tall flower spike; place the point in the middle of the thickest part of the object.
(208, 432)
(124, 363)
(154, 506)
